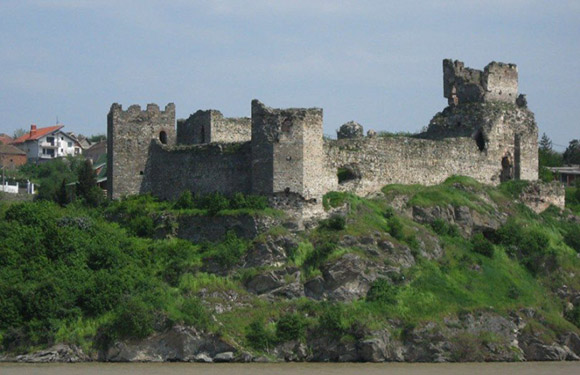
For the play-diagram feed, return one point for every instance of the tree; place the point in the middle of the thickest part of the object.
(18, 133)
(63, 196)
(545, 143)
(87, 184)
(572, 153)
(548, 157)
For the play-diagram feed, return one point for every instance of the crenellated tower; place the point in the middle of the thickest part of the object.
(129, 137)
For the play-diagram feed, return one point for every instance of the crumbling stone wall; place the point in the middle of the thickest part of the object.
(497, 82)
(287, 153)
(202, 169)
(211, 126)
(129, 135)
(483, 134)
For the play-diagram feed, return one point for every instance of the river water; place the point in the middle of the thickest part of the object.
(527, 368)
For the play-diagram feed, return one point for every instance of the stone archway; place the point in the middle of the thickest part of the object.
(507, 168)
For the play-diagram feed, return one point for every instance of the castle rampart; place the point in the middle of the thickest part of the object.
(129, 134)
(497, 82)
(483, 134)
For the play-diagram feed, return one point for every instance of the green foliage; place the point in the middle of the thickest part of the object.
(572, 237)
(513, 188)
(573, 316)
(290, 327)
(332, 320)
(194, 313)
(215, 203)
(334, 199)
(482, 246)
(345, 174)
(258, 337)
(228, 252)
(185, 201)
(396, 228)
(382, 291)
(314, 259)
(134, 319)
(335, 222)
(443, 228)
(572, 153)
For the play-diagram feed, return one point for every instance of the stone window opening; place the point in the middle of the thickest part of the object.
(480, 140)
(163, 137)
(347, 173)
(202, 134)
(507, 170)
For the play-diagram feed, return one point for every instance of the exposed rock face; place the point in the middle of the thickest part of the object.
(539, 195)
(467, 220)
(177, 344)
(350, 130)
(57, 353)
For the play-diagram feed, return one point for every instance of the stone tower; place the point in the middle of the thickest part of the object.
(287, 151)
(129, 137)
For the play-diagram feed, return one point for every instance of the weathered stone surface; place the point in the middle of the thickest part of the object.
(540, 195)
(271, 252)
(177, 344)
(224, 357)
(56, 353)
(350, 130)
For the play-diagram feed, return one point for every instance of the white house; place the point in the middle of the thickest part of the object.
(47, 143)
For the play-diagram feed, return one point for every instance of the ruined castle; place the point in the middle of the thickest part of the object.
(486, 133)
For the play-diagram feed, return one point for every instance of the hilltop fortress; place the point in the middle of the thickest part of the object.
(486, 133)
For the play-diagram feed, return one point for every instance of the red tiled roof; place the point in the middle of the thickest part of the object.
(6, 139)
(10, 150)
(39, 133)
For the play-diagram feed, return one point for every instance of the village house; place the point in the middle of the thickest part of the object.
(42, 144)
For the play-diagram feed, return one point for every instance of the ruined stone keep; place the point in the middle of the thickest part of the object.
(486, 133)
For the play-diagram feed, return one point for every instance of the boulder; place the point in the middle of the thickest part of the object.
(56, 353)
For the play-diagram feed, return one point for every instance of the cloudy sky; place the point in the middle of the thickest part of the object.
(377, 62)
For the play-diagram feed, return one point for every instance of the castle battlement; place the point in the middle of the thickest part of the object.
(281, 152)
(497, 82)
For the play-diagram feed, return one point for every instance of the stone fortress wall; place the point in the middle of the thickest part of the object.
(486, 133)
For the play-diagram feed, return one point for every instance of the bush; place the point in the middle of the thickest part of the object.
(134, 319)
(195, 313)
(229, 252)
(332, 320)
(336, 222)
(382, 292)
(315, 258)
(573, 316)
(482, 246)
(396, 228)
(443, 228)
(572, 238)
(290, 327)
(257, 336)
(185, 201)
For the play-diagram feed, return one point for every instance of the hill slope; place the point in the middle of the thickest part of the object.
(454, 272)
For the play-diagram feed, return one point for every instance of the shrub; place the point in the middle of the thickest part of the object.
(290, 327)
(230, 251)
(336, 222)
(257, 336)
(396, 228)
(573, 316)
(332, 320)
(572, 238)
(195, 313)
(185, 201)
(134, 319)
(482, 246)
(443, 228)
(382, 292)
(213, 203)
(142, 226)
(314, 259)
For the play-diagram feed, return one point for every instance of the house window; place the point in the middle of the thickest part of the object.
(70, 144)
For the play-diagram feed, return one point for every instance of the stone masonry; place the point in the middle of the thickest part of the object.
(483, 133)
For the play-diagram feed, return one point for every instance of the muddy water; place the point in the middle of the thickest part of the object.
(529, 368)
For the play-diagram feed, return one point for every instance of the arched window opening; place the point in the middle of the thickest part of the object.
(163, 137)
(348, 173)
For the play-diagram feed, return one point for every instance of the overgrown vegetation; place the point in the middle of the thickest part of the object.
(93, 275)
